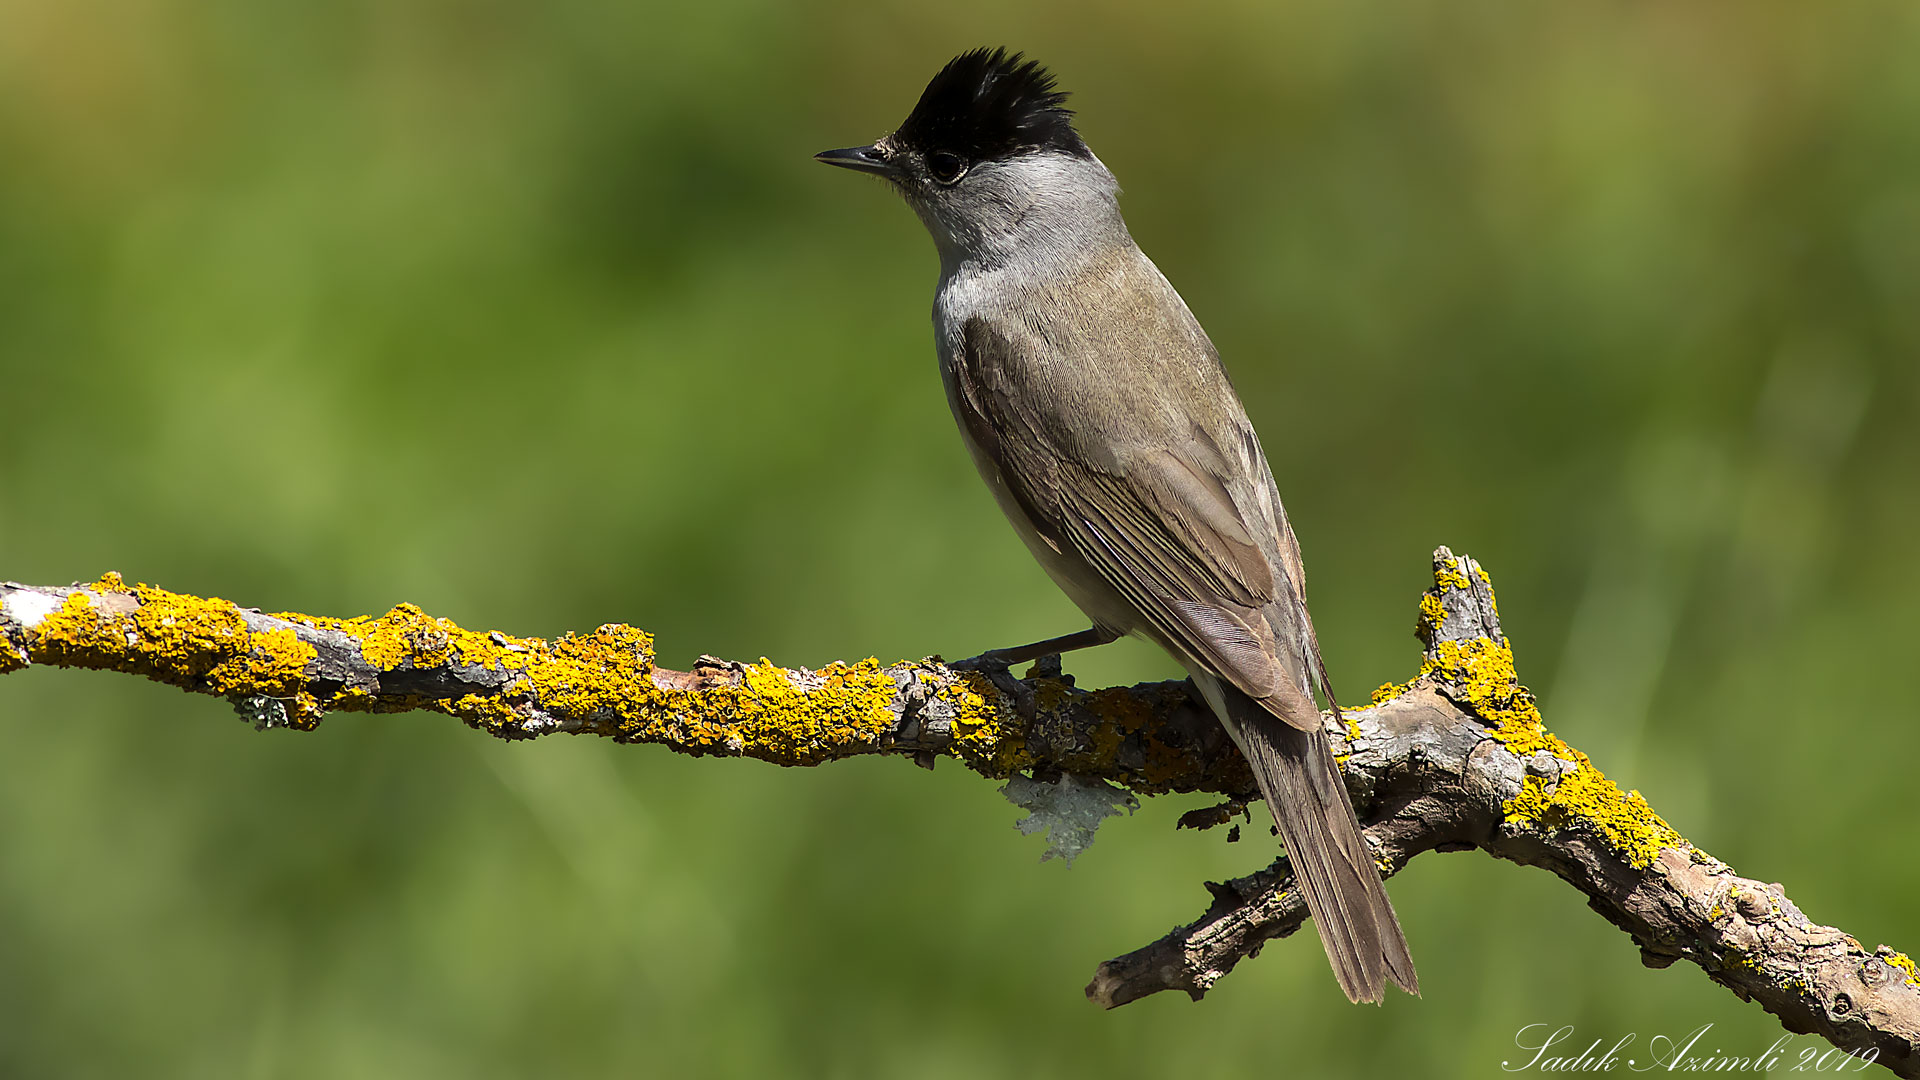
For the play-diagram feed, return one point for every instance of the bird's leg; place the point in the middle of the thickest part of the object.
(997, 664)
(1053, 646)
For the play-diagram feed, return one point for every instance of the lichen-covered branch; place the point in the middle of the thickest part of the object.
(1458, 758)
(291, 670)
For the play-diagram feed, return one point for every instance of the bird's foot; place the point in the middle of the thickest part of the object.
(997, 666)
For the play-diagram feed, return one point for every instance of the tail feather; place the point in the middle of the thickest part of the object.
(1336, 873)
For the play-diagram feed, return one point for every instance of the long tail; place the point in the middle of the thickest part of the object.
(1342, 886)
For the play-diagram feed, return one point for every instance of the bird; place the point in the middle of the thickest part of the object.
(1099, 414)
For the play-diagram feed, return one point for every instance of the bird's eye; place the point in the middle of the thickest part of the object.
(945, 168)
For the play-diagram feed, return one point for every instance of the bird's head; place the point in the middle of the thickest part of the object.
(990, 160)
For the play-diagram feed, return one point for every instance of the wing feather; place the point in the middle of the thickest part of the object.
(1161, 526)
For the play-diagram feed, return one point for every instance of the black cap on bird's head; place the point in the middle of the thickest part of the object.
(985, 105)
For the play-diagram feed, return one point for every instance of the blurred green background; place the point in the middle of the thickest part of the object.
(540, 316)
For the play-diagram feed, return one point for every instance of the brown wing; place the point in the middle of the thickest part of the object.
(1156, 517)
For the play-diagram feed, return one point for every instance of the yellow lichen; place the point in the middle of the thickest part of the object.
(185, 641)
(849, 708)
(1585, 794)
(979, 738)
(406, 634)
(1353, 736)
(1386, 692)
(603, 680)
(11, 659)
(1904, 964)
(1480, 675)
(1447, 575)
(603, 673)
(1492, 600)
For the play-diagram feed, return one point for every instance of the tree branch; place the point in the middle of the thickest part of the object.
(1457, 758)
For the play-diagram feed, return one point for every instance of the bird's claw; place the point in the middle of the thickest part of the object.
(1048, 667)
(1000, 673)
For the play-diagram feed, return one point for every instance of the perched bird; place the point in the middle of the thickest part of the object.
(1098, 412)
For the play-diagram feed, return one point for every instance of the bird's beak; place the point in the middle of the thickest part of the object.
(867, 159)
